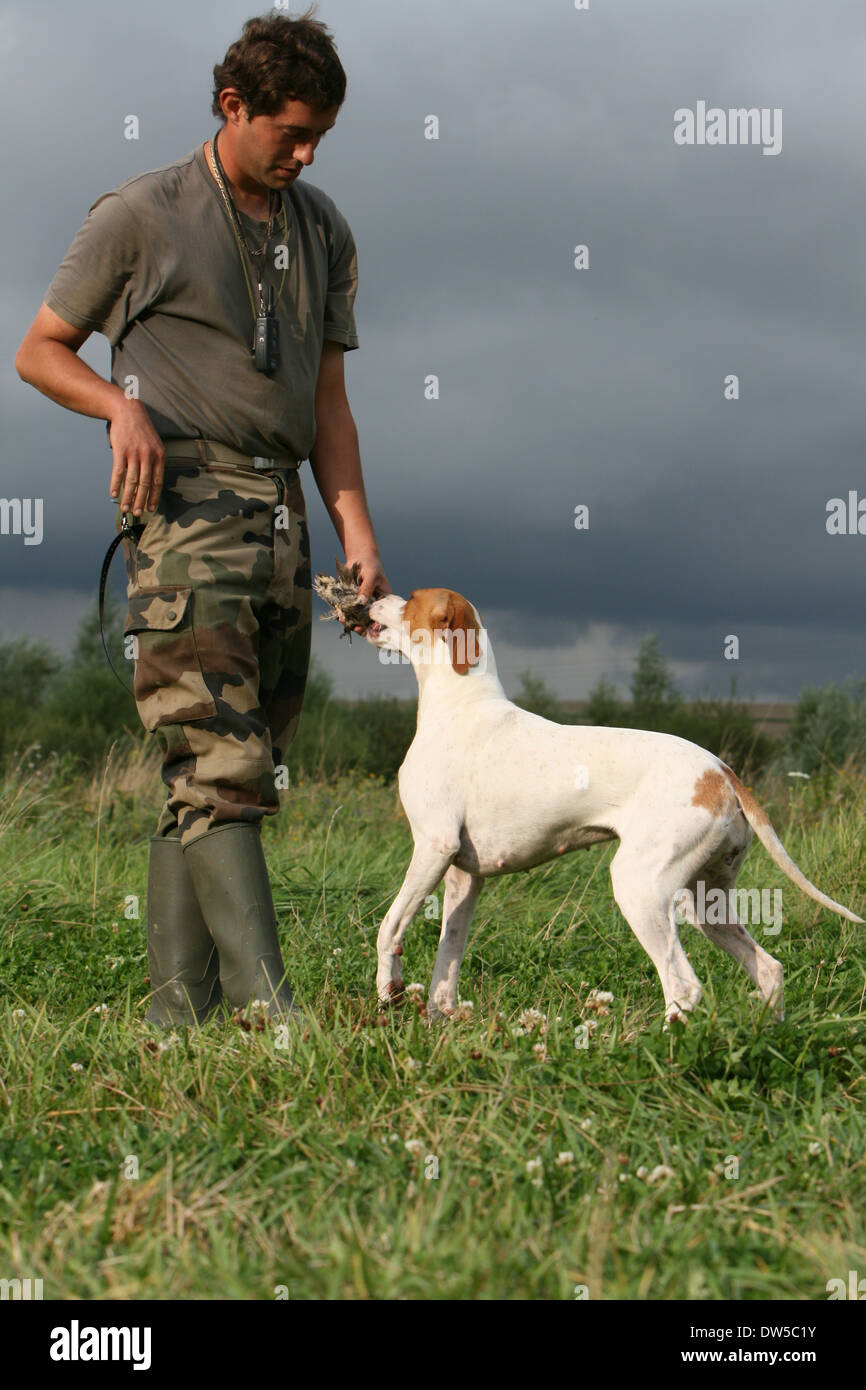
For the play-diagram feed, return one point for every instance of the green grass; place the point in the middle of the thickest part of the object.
(221, 1164)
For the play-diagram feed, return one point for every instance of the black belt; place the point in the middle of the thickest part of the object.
(201, 450)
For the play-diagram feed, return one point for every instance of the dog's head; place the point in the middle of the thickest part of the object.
(432, 626)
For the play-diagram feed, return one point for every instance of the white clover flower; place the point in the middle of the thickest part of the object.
(415, 1147)
(564, 1158)
(540, 1050)
(529, 1020)
(77, 1066)
(465, 1009)
(624, 1177)
(660, 1173)
(19, 1013)
(815, 1148)
(414, 990)
(586, 1124)
(641, 1172)
(598, 1001)
(533, 1166)
(101, 1009)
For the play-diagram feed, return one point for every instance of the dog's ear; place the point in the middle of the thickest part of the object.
(460, 620)
(438, 610)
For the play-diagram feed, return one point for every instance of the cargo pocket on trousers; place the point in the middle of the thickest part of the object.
(169, 685)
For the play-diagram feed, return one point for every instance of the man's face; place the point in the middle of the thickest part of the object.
(274, 149)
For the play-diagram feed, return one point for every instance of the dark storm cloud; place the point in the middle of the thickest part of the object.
(602, 387)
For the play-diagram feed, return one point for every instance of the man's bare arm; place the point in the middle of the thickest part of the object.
(48, 359)
(336, 464)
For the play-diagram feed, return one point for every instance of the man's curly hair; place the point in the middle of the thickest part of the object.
(278, 59)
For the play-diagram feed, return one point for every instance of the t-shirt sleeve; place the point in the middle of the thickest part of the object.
(342, 286)
(107, 277)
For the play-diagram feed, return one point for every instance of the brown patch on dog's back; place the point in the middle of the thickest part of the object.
(713, 793)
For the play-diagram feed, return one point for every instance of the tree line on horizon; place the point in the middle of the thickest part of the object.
(72, 709)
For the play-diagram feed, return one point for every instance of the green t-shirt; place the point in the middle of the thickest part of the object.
(156, 268)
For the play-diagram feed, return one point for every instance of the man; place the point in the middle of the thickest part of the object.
(226, 289)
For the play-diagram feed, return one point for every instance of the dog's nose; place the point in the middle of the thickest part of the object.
(386, 609)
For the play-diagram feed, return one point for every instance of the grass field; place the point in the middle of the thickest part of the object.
(377, 1157)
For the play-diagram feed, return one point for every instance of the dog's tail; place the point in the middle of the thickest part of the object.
(760, 823)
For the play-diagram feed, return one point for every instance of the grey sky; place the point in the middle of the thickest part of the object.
(558, 387)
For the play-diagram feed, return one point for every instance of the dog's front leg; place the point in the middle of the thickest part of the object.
(461, 895)
(429, 862)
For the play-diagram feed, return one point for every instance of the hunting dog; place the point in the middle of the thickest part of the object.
(490, 788)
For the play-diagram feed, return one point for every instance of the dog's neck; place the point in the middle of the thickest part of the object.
(438, 682)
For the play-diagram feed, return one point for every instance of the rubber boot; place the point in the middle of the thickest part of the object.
(183, 960)
(227, 867)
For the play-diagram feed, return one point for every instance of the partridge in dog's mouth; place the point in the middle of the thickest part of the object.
(341, 596)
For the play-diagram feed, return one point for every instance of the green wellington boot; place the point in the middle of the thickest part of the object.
(183, 960)
(227, 867)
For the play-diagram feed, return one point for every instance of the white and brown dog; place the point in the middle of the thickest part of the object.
(490, 788)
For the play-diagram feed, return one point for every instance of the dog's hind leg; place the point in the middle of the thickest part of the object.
(719, 901)
(645, 898)
(426, 868)
(461, 895)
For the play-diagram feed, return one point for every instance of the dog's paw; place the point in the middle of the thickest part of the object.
(675, 1015)
(441, 1004)
(395, 996)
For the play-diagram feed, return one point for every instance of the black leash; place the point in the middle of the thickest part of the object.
(129, 531)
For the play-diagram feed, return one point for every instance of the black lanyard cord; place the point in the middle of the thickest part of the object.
(241, 240)
(130, 531)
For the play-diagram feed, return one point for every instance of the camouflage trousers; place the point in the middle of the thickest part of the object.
(220, 600)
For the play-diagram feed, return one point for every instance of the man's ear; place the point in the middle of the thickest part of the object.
(461, 621)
